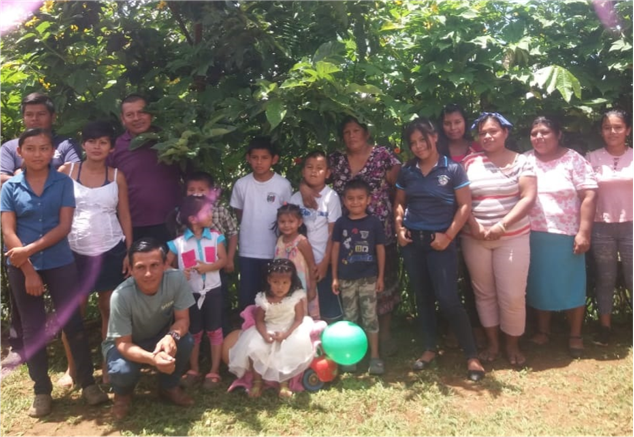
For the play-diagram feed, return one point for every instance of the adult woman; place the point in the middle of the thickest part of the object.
(495, 243)
(561, 223)
(379, 168)
(101, 232)
(455, 141)
(432, 203)
(612, 229)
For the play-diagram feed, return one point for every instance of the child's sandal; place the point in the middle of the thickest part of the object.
(190, 379)
(285, 391)
(211, 381)
(256, 389)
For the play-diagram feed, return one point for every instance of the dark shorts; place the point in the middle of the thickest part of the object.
(329, 303)
(102, 272)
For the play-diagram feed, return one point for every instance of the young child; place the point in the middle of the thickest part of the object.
(37, 210)
(256, 198)
(293, 245)
(358, 264)
(222, 220)
(320, 223)
(201, 254)
(278, 347)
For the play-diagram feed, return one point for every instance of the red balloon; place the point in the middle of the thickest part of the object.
(325, 368)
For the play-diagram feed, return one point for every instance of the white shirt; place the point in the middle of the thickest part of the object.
(259, 202)
(317, 220)
(95, 228)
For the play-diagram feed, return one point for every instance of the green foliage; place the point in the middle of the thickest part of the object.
(221, 72)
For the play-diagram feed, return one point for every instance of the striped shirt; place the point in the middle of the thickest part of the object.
(495, 191)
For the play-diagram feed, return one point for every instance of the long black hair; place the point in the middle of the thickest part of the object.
(283, 266)
(425, 127)
(443, 141)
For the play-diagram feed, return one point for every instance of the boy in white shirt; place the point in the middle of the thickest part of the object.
(255, 199)
(320, 223)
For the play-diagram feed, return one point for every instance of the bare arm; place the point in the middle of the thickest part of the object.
(335, 266)
(238, 214)
(123, 209)
(231, 253)
(392, 174)
(402, 233)
(380, 257)
(261, 326)
(322, 268)
(308, 195)
(306, 249)
(586, 219)
(32, 281)
(528, 194)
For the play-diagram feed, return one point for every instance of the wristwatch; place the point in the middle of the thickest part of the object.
(175, 335)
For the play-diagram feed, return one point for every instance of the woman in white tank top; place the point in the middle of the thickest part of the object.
(101, 231)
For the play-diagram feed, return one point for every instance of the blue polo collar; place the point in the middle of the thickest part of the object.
(189, 234)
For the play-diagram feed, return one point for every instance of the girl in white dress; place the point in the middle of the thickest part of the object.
(278, 347)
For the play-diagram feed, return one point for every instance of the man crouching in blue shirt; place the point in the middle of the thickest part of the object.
(149, 323)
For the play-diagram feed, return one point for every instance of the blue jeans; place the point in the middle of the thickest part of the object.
(252, 278)
(124, 374)
(62, 287)
(433, 276)
(329, 304)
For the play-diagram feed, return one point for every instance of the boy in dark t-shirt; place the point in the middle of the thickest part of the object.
(358, 264)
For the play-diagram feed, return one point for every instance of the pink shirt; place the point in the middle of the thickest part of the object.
(614, 175)
(557, 207)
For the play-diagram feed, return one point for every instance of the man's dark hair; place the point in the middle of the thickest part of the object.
(34, 133)
(199, 176)
(98, 129)
(261, 143)
(145, 245)
(134, 97)
(38, 99)
(317, 154)
(357, 184)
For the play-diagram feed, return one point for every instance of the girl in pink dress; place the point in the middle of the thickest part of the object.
(292, 244)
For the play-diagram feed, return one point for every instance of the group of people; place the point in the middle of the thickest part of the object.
(521, 223)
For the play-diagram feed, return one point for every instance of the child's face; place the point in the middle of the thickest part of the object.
(356, 201)
(315, 171)
(288, 224)
(261, 161)
(97, 149)
(280, 283)
(198, 188)
(37, 152)
(203, 219)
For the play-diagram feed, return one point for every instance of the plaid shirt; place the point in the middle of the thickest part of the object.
(223, 221)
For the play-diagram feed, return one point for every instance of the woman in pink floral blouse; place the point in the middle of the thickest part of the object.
(561, 225)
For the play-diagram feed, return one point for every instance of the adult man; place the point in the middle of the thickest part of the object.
(37, 111)
(154, 187)
(149, 322)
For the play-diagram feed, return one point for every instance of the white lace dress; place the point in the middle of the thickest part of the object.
(277, 361)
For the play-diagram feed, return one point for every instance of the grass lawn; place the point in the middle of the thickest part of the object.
(554, 395)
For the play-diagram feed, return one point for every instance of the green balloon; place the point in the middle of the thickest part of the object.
(344, 342)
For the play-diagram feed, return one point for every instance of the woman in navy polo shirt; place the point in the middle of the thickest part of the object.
(433, 202)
